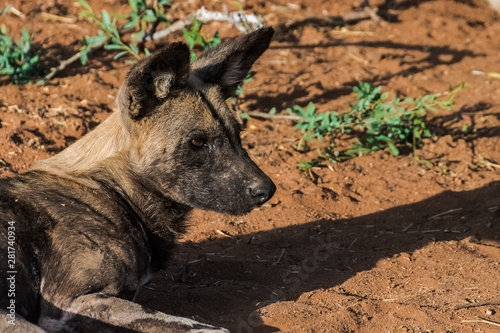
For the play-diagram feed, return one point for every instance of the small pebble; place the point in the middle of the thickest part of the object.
(490, 312)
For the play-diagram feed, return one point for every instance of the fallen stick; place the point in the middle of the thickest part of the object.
(17, 13)
(257, 114)
(243, 22)
(474, 305)
(482, 320)
(445, 213)
(279, 258)
(56, 18)
(63, 64)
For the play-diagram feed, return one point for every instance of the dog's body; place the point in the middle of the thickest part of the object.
(82, 231)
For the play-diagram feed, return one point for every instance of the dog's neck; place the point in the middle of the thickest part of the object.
(163, 218)
(102, 160)
(105, 141)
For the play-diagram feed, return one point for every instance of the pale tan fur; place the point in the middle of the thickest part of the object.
(106, 141)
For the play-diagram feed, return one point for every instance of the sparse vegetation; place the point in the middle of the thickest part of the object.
(17, 59)
(145, 19)
(194, 37)
(142, 19)
(373, 123)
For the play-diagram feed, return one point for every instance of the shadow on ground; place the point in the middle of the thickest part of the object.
(432, 56)
(225, 281)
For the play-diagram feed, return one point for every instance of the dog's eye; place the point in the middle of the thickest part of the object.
(197, 142)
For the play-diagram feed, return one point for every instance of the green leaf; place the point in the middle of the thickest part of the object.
(272, 111)
(149, 16)
(7, 71)
(86, 5)
(161, 17)
(245, 116)
(131, 24)
(120, 54)
(6, 10)
(395, 150)
(83, 57)
(133, 48)
(239, 88)
(133, 4)
(96, 40)
(193, 57)
(113, 47)
(120, 16)
(106, 19)
(138, 36)
(34, 60)
(307, 165)
(239, 5)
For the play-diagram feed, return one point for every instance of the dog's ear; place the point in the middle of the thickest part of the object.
(152, 79)
(229, 63)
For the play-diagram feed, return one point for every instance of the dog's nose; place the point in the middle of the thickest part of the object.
(261, 191)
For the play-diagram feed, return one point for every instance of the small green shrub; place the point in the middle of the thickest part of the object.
(17, 59)
(194, 37)
(141, 18)
(373, 122)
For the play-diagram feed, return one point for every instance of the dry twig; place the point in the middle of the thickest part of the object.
(257, 114)
(482, 320)
(445, 213)
(220, 232)
(474, 305)
(279, 258)
(17, 13)
(63, 64)
(244, 22)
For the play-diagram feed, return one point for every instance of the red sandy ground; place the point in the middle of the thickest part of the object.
(376, 244)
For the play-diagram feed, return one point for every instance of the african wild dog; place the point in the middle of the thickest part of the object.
(92, 222)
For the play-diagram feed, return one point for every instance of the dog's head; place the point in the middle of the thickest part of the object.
(186, 140)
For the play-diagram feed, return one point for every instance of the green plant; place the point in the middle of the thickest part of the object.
(239, 92)
(144, 18)
(194, 37)
(373, 122)
(248, 78)
(6, 10)
(141, 17)
(17, 59)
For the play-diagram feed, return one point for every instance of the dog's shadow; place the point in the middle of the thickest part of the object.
(224, 281)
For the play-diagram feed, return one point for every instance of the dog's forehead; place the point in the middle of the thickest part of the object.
(207, 106)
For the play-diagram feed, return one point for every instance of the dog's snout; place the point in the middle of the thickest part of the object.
(261, 191)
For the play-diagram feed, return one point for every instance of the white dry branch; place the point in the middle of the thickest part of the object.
(242, 21)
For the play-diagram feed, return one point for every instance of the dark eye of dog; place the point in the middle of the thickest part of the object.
(197, 142)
